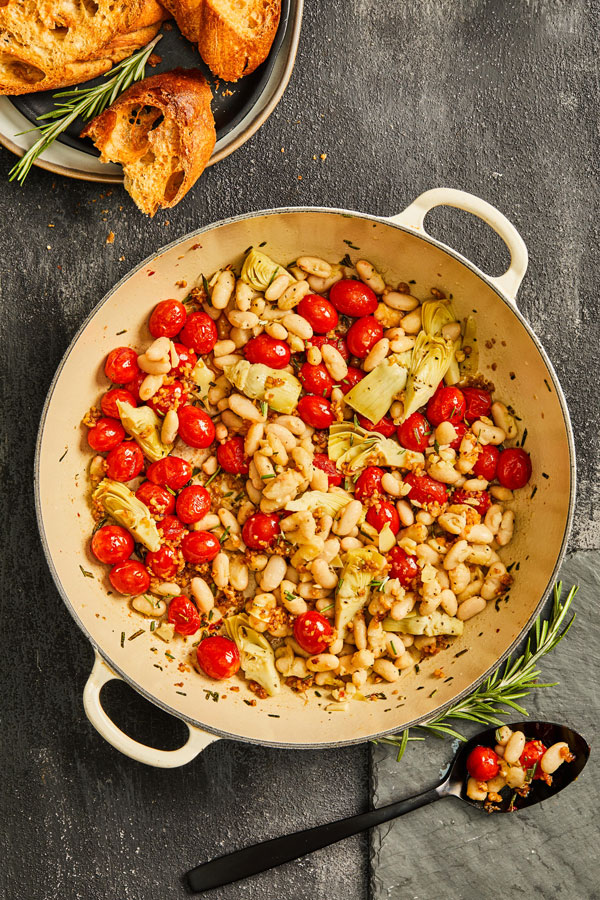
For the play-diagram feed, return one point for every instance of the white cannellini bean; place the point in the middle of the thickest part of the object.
(314, 356)
(150, 385)
(298, 325)
(202, 594)
(223, 348)
(349, 518)
(386, 669)
(149, 606)
(350, 543)
(391, 484)
(319, 480)
(369, 275)
(244, 295)
(334, 362)
(471, 607)
(460, 577)
(515, 776)
(376, 355)
(220, 570)
(503, 419)
(209, 466)
(238, 573)
(273, 573)
(253, 438)
(411, 323)
(443, 471)
(277, 287)
(320, 285)
(229, 418)
(475, 484)
(554, 757)
(476, 790)
(402, 344)
(503, 735)
(493, 518)
(228, 520)
(323, 575)
(230, 360)
(244, 408)
(158, 350)
(397, 300)
(277, 331)
(405, 512)
(488, 434)
(479, 534)
(293, 295)
(314, 266)
(241, 319)
(457, 554)
(448, 602)
(293, 423)
(168, 589)
(151, 367)
(240, 337)
(451, 331)
(505, 532)
(223, 289)
(170, 426)
(322, 662)
(501, 493)
(514, 747)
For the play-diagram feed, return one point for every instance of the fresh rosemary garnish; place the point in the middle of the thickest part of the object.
(86, 103)
(212, 477)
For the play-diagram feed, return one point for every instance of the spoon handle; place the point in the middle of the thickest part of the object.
(267, 855)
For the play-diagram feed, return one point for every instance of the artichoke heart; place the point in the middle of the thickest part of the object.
(259, 270)
(354, 448)
(434, 624)
(259, 382)
(431, 359)
(203, 378)
(373, 396)
(435, 314)
(143, 425)
(256, 654)
(122, 504)
(361, 566)
(329, 503)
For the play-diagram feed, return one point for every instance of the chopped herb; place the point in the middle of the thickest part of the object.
(212, 477)
(350, 244)
(152, 625)
(460, 653)
(135, 635)
(547, 385)
(524, 438)
(64, 454)
(156, 666)
(121, 332)
(86, 573)
(263, 244)
(273, 276)
(412, 281)
(534, 492)
(273, 716)
(122, 639)
(429, 696)
(325, 608)
(264, 408)
(247, 702)
(169, 655)
(170, 490)
(206, 288)
(266, 477)
(393, 646)
(545, 475)
(318, 694)
(346, 261)
(196, 471)
(224, 536)
(228, 494)
(183, 693)
(100, 524)
(436, 446)
(417, 669)
(356, 422)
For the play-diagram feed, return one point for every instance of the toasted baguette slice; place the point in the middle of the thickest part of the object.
(233, 36)
(162, 131)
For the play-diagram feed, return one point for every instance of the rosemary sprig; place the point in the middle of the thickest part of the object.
(86, 103)
(499, 694)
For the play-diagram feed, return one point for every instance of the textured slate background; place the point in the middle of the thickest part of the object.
(499, 98)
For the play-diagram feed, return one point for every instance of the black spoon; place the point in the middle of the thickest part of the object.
(267, 855)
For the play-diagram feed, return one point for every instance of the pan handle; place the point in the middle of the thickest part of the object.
(165, 759)
(414, 216)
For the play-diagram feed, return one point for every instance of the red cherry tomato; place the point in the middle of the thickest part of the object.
(385, 426)
(199, 333)
(382, 514)
(353, 377)
(315, 411)
(112, 544)
(369, 483)
(478, 403)
(200, 547)
(183, 615)
(105, 435)
(353, 298)
(363, 335)
(121, 365)
(163, 563)
(108, 403)
(487, 463)
(319, 312)
(187, 360)
(169, 396)
(193, 503)
(159, 500)
(461, 429)
(479, 500)
(232, 458)
(218, 657)
(532, 753)
(124, 462)
(334, 476)
(171, 529)
(424, 489)
(338, 342)
(447, 405)
(403, 566)
(260, 530)
(268, 351)
(134, 387)
(483, 763)
(167, 319)
(196, 427)
(130, 577)
(171, 472)
(514, 468)
(316, 380)
(414, 433)
(313, 632)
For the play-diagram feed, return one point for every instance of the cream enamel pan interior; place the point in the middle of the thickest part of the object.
(510, 356)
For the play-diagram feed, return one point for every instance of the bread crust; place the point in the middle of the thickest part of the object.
(161, 161)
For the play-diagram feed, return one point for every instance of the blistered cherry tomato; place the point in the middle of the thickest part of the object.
(218, 657)
(461, 429)
(383, 513)
(369, 483)
(199, 333)
(158, 499)
(313, 632)
(414, 433)
(353, 377)
(183, 615)
(319, 312)
(171, 529)
(531, 755)
(171, 472)
(268, 351)
(163, 562)
(487, 463)
(316, 379)
(130, 577)
(338, 342)
(193, 503)
(478, 403)
(514, 468)
(447, 405)
(200, 547)
(260, 530)
(479, 500)
(334, 476)
(169, 396)
(135, 385)
(105, 435)
(112, 544)
(125, 462)
(385, 426)
(167, 319)
(232, 458)
(353, 298)
(424, 489)
(108, 403)
(483, 763)
(363, 335)
(121, 365)
(187, 360)
(196, 427)
(315, 411)
(403, 566)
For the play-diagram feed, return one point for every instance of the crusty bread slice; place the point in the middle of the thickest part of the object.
(162, 131)
(233, 36)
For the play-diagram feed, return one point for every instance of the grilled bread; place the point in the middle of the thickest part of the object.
(233, 36)
(162, 131)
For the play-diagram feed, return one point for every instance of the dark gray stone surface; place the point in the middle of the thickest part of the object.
(496, 98)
